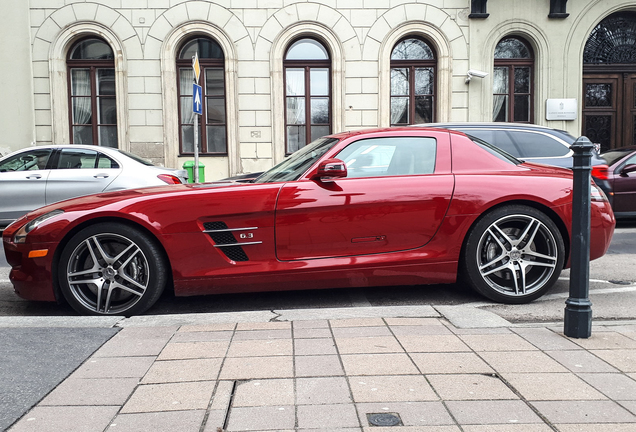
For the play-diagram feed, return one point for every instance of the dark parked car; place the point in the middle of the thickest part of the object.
(621, 176)
(531, 143)
(382, 207)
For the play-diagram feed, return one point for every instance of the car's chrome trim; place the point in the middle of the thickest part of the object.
(229, 230)
(237, 244)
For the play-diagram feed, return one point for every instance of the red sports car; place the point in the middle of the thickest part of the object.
(397, 206)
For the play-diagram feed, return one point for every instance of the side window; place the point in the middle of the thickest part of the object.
(390, 157)
(104, 161)
(539, 145)
(77, 159)
(30, 160)
(631, 160)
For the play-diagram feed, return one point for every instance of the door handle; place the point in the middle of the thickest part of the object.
(101, 176)
(368, 239)
(34, 176)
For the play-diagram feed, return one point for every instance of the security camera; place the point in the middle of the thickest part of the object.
(475, 73)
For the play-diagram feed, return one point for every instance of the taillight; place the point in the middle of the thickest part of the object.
(169, 178)
(600, 172)
(597, 194)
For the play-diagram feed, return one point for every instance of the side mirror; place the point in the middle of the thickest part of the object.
(628, 169)
(331, 169)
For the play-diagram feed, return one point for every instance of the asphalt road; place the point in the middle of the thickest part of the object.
(35, 360)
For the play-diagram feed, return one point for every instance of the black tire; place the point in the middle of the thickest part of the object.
(513, 254)
(111, 269)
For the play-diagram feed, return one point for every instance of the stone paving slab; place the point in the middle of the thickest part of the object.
(79, 391)
(552, 386)
(391, 388)
(182, 421)
(598, 412)
(342, 375)
(264, 393)
(470, 387)
(580, 361)
(66, 418)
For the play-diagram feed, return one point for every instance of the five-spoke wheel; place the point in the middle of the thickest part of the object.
(111, 269)
(514, 254)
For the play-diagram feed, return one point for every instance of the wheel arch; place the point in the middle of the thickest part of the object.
(90, 222)
(549, 212)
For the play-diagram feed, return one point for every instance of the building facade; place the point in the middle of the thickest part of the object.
(277, 73)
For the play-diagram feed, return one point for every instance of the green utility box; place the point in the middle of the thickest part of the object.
(189, 167)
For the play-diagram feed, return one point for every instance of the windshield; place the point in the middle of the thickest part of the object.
(297, 163)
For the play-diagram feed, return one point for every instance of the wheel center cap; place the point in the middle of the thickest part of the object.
(110, 273)
(515, 255)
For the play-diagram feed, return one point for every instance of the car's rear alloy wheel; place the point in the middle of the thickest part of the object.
(111, 269)
(514, 254)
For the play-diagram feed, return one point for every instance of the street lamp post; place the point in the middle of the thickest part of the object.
(578, 309)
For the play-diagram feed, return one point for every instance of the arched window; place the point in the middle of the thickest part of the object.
(513, 82)
(92, 99)
(212, 123)
(609, 82)
(307, 93)
(413, 70)
(613, 41)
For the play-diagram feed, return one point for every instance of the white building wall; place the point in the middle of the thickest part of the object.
(254, 34)
(17, 116)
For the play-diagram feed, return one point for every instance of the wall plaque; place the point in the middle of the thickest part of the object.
(561, 109)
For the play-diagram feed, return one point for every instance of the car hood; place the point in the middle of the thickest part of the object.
(118, 200)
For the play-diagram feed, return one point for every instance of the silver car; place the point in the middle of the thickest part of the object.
(36, 176)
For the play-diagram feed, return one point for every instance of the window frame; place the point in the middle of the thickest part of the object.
(205, 64)
(412, 65)
(92, 66)
(511, 65)
(307, 66)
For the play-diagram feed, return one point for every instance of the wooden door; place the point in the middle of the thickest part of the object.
(629, 117)
(609, 109)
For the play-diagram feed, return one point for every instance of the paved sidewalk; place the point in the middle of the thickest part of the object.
(345, 374)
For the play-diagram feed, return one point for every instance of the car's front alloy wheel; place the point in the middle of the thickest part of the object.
(111, 269)
(514, 254)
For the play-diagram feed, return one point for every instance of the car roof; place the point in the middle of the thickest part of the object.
(345, 134)
(113, 152)
(625, 149)
(491, 125)
(79, 146)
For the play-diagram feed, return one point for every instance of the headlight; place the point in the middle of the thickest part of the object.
(20, 235)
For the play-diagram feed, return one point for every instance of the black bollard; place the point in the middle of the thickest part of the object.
(578, 309)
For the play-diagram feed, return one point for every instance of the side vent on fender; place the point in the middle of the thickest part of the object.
(224, 239)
